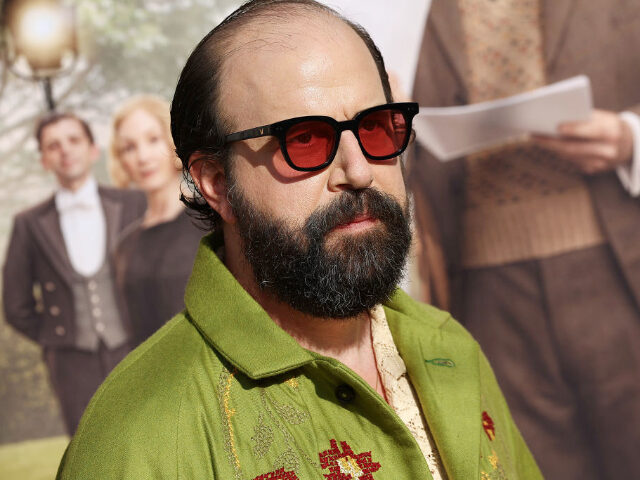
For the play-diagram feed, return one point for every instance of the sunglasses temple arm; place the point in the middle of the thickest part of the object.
(250, 133)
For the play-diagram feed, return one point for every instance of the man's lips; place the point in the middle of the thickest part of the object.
(358, 222)
(68, 163)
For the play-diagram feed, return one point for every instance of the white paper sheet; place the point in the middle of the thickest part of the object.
(455, 131)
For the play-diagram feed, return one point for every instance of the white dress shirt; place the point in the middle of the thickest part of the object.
(83, 227)
(629, 175)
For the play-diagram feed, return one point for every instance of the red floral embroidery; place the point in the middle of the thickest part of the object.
(489, 426)
(279, 474)
(346, 465)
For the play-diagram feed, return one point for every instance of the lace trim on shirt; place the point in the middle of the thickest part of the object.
(399, 391)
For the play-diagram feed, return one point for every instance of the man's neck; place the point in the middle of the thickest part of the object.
(348, 340)
(74, 184)
(339, 338)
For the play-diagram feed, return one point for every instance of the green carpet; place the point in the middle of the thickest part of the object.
(32, 460)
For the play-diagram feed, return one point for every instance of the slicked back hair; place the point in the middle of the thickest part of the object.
(56, 117)
(197, 124)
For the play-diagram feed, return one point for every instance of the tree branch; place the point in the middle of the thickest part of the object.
(18, 145)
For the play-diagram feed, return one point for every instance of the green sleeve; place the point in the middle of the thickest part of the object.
(504, 451)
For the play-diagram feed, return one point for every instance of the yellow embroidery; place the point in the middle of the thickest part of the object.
(493, 459)
(230, 412)
(224, 393)
(292, 382)
(497, 472)
(349, 466)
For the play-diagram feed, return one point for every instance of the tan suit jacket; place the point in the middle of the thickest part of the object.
(597, 38)
(37, 259)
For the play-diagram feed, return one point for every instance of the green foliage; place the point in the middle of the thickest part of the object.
(141, 45)
(127, 47)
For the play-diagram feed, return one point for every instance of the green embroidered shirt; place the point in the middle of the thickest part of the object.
(221, 392)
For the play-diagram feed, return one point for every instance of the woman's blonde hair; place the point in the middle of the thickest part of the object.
(156, 107)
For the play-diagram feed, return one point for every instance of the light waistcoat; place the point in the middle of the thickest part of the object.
(97, 315)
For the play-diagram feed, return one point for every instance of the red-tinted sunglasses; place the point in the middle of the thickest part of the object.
(310, 143)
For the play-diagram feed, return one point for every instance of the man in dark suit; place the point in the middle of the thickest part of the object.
(541, 237)
(57, 279)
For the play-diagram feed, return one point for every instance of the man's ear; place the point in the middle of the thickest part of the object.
(210, 179)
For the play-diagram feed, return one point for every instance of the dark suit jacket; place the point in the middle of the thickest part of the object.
(598, 38)
(37, 260)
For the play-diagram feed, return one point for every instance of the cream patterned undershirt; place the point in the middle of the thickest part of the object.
(399, 391)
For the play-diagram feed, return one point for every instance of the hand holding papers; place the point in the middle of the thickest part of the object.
(455, 131)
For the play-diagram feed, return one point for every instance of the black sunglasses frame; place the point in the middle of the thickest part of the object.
(279, 130)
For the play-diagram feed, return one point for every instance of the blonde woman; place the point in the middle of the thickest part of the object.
(155, 255)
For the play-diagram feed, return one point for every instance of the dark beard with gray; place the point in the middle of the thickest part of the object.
(357, 272)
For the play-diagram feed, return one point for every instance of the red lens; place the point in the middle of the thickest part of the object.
(383, 132)
(309, 144)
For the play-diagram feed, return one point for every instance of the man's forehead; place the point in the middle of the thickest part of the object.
(64, 126)
(273, 32)
(290, 39)
(294, 64)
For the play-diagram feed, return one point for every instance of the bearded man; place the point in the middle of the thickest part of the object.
(297, 357)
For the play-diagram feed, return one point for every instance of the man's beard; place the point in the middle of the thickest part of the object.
(355, 273)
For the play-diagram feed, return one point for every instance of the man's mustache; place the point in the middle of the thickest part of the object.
(347, 207)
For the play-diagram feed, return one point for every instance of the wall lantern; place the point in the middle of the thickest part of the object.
(40, 41)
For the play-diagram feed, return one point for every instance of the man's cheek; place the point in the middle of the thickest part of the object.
(285, 172)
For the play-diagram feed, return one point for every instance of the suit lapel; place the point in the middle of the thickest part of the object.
(446, 21)
(444, 370)
(112, 215)
(49, 236)
(555, 14)
(619, 217)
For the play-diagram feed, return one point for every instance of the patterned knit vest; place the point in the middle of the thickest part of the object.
(521, 202)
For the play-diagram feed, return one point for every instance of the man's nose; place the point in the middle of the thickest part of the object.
(351, 169)
(64, 148)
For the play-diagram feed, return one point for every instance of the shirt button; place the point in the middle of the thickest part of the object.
(345, 393)
(96, 312)
(92, 285)
(50, 287)
(100, 327)
(54, 310)
(95, 298)
(60, 331)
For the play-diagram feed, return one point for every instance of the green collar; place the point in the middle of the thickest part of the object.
(234, 323)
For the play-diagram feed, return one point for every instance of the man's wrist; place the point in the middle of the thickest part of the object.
(629, 174)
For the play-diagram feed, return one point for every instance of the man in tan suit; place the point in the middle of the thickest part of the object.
(60, 249)
(541, 237)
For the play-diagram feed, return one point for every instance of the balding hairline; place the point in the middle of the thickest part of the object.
(198, 123)
(273, 15)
